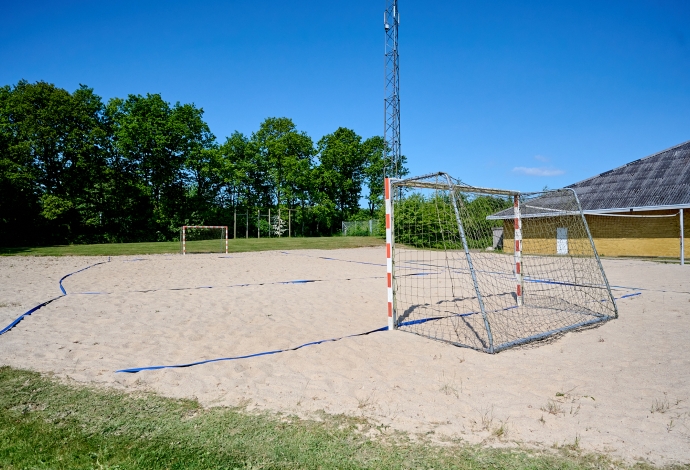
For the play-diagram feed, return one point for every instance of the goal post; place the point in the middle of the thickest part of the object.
(204, 239)
(485, 268)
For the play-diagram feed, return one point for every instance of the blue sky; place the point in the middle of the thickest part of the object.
(507, 94)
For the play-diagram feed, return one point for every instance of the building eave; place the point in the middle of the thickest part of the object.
(636, 209)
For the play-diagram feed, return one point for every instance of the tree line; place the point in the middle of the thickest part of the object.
(76, 169)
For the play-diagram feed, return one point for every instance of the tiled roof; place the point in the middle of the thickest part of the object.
(662, 179)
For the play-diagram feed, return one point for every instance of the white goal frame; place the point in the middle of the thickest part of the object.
(184, 234)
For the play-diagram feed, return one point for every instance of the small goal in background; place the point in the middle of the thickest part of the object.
(203, 239)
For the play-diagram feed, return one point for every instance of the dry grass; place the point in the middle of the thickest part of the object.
(45, 424)
(552, 407)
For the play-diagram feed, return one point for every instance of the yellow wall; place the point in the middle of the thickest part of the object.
(613, 236)
(651, 236)
(539, 236)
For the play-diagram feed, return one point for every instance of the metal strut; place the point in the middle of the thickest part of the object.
(470, 265)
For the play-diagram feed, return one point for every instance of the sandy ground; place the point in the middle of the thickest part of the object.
(622, 388)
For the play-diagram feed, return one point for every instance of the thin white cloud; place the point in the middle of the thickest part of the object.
(541, 171)
(542, 158)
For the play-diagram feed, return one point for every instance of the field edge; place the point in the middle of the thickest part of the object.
(238, 245)
(77, 426)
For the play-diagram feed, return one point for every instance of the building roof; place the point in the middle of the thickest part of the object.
(658, 181)
(662, 179)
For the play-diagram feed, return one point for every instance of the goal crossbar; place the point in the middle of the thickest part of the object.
(419, 182)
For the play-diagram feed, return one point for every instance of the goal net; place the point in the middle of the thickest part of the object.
(360, 228)
(487, 268)
(645, 234)
(203, 239)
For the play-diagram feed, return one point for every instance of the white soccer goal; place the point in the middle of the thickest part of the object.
(358, 228)
(488, 268)
(203, 239)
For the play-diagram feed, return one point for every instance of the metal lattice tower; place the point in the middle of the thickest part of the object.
(391, 120)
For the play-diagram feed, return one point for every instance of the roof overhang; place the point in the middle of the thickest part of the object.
(591, 212)
(532, 216)
(636, 209)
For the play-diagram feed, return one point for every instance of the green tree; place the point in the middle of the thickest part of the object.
(52, 163)
(19, 196)
(202, 165)
(238, 173)
(342, 160)
(74, 170)
(347, 165)
(374, 174)
(284, 154)
(243, 178)
(159, 150)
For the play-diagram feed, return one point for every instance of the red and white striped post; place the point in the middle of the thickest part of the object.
(518, 249)
(389, 253)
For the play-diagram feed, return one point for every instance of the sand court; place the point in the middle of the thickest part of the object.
(622, 388)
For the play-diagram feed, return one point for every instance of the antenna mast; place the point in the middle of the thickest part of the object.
(391, 119)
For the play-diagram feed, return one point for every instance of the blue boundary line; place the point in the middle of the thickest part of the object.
(265, 353)
(64, 292)
(628, 295)
(27, 313)
(507, 274)
(134, 370)
(41, 305)
(296, 281)
(333, 259)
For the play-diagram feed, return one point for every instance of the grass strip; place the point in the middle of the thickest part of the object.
(47, 424)
(234, 246)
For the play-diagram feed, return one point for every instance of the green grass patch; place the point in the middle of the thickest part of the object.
(206, 246)
(47, 424)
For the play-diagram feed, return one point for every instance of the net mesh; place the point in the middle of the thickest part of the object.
(201, 239)
(641, 234)
(455, 261)
(361, 228)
